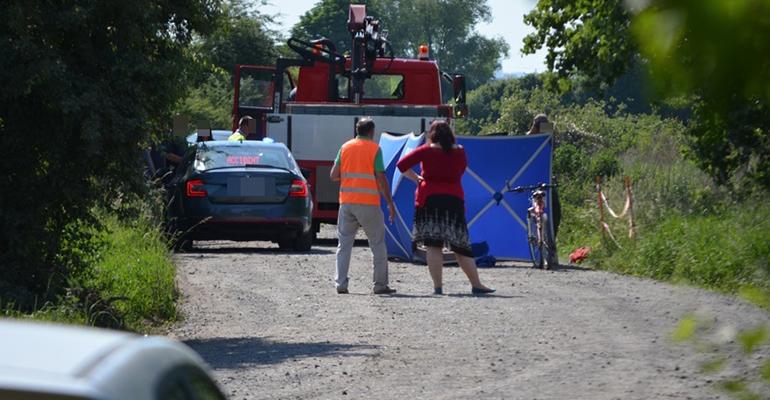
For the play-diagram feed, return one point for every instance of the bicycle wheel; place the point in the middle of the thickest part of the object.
(549, 244)
(535, 244)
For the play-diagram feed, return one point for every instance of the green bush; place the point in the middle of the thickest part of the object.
(103, 96)
(689, 229)
(211, 101)
(135, 272)
(124, 278)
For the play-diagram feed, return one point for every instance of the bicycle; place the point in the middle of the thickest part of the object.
(542, 247)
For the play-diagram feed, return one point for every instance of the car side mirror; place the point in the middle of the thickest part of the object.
(458, 87)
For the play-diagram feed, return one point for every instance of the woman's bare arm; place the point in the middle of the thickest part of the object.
(412, 176)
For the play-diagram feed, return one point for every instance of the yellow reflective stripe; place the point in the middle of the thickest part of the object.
(357, 175)
(359, 190)
(362, 183)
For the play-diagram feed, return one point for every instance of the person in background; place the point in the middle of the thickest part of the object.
(440, 206)
(173, 149)
(242, 132)
(538, 124)
(204, 136)
(360, 170)
(535, 128)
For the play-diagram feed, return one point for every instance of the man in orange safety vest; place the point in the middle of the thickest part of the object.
(361, 173)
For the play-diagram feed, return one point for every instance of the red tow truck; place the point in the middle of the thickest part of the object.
(312, 103)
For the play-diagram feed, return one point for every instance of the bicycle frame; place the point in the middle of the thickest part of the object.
(541, 244)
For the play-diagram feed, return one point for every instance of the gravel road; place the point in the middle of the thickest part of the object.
(272, 327)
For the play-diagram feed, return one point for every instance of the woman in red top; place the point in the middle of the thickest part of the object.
(439, 218)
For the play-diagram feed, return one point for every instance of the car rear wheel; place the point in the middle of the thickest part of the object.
(305, 241)
(286, 244)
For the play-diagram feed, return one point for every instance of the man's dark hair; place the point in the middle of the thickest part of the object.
(365, 127)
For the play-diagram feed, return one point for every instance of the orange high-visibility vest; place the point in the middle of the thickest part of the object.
(358, 182)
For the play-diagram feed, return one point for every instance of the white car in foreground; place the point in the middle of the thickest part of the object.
(47, 361)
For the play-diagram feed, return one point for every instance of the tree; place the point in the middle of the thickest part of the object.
(328, 19)
(85, 84)
(714, 50)
(446, 26)
(240, 37)
(210, 101)
(501, 106)
(708, 51)
(587, 37)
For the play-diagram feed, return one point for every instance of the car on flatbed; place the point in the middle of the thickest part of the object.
(243, 191)
(40, 361)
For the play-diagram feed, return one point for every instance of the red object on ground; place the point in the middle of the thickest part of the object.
(579, 254)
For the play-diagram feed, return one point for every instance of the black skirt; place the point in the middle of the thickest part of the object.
(440, 222)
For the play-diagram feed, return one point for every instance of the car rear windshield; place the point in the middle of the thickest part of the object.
(238, 156)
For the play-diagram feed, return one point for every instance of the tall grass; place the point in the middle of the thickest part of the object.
(126, 280)
(725, 251)
(688, 230)
(136, 273)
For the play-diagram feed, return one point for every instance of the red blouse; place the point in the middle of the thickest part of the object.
(442, 171)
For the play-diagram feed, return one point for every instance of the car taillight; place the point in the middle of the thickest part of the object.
(195, 188)
(298, 188)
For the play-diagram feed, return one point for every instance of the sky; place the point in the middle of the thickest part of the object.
(507, 22)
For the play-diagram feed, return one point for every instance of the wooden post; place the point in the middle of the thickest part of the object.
(601, 204)
(631, 222)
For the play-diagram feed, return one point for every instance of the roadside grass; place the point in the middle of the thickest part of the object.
(135, 273)
(127, 284)
(49, 312)
(688, 230)
(726, 251)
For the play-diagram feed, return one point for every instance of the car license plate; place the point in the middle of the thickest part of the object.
(251, 187)
(246, 187)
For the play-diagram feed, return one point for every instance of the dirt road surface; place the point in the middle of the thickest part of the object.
(271, 326)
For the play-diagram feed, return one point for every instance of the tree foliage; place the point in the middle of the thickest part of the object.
(707, 51)
(446, 26)
(329, 19)
(209, 101)
(85, 83)
(240, 37)
(587, 37)
(501, 106)
(716, 51)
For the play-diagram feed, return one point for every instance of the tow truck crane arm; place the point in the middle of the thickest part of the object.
(368, 44)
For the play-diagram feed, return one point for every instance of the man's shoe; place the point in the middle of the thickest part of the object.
(384, 290)
(482, 290)
(342, 290)
(438, 290)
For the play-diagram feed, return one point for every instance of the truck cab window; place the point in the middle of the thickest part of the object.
(256, 89)
(384, 87)
(343, 84)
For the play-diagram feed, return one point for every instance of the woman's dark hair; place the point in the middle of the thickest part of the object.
(440, 132)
